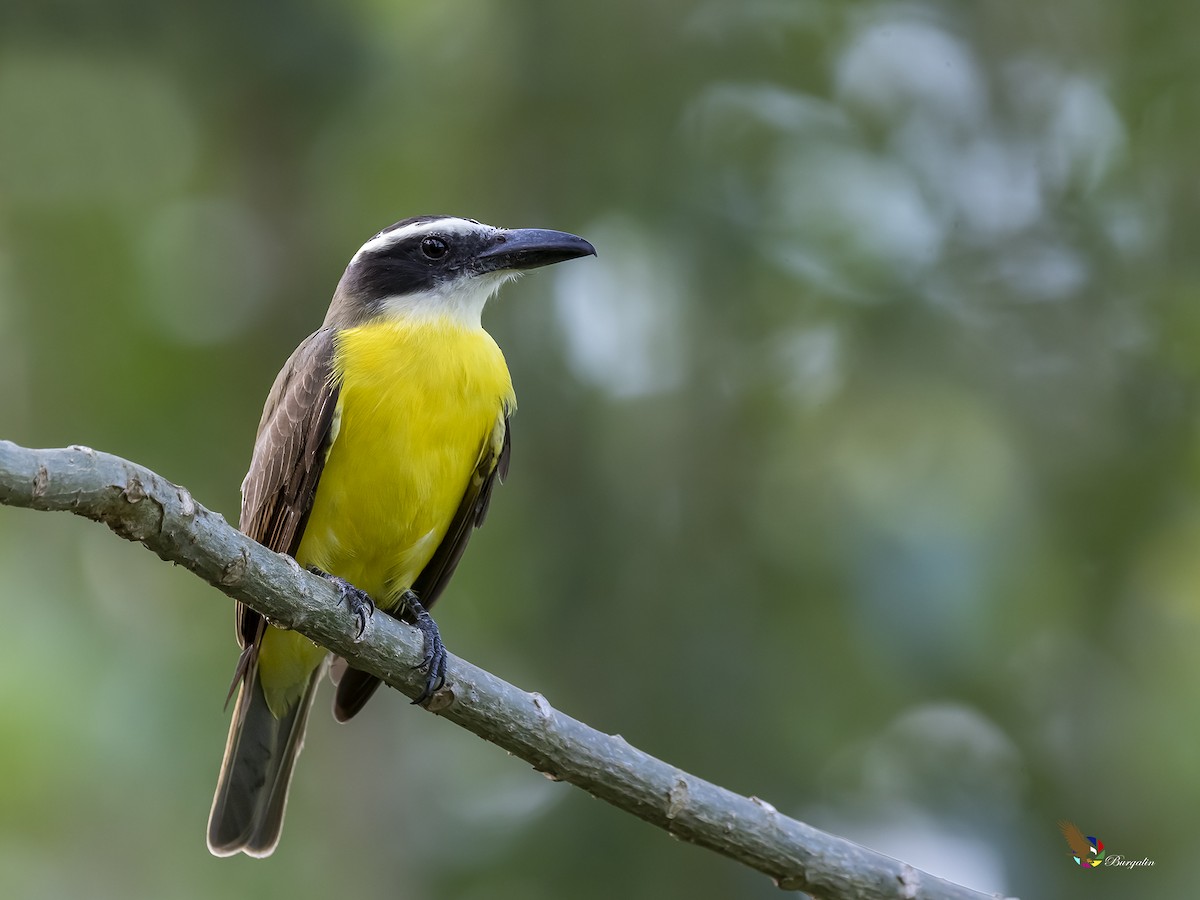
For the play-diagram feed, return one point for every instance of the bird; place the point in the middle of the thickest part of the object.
(1080, 846)
(379, 446)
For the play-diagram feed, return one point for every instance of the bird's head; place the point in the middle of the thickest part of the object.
(442, 267)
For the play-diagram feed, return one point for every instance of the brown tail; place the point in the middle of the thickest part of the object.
(260, 754)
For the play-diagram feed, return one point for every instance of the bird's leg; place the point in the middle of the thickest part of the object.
(361, 606)
(433, 664)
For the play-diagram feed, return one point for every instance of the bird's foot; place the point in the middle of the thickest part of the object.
(433, 663)
(361, 606)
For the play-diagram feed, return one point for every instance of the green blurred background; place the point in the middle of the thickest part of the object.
(860, 472)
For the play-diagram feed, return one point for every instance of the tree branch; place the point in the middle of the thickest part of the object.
(141, 506)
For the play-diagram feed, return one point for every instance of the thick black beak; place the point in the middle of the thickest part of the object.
(529, 248)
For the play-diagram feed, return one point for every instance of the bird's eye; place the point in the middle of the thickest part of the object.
(434, 247)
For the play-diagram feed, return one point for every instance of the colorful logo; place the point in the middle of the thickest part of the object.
(1087, 851)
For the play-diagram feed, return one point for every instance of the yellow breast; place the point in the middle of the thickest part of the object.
(419, 402)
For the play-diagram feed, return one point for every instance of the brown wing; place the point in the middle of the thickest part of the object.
(493, 466)
(1075, 840)
(289, 454)
(354, 687)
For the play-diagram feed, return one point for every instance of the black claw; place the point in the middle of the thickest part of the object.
(361, 606)
(433, 663)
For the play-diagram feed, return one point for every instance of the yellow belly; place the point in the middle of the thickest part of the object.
(418, 405)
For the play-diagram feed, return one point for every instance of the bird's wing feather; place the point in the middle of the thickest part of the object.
(1075, 840)
(354, 687)
(289, 454)
(492, 466)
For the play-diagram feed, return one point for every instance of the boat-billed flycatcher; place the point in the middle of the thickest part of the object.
(376, 455)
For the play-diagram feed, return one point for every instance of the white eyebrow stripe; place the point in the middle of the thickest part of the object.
(447, 225)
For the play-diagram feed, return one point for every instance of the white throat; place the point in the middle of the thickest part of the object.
(461, 301)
